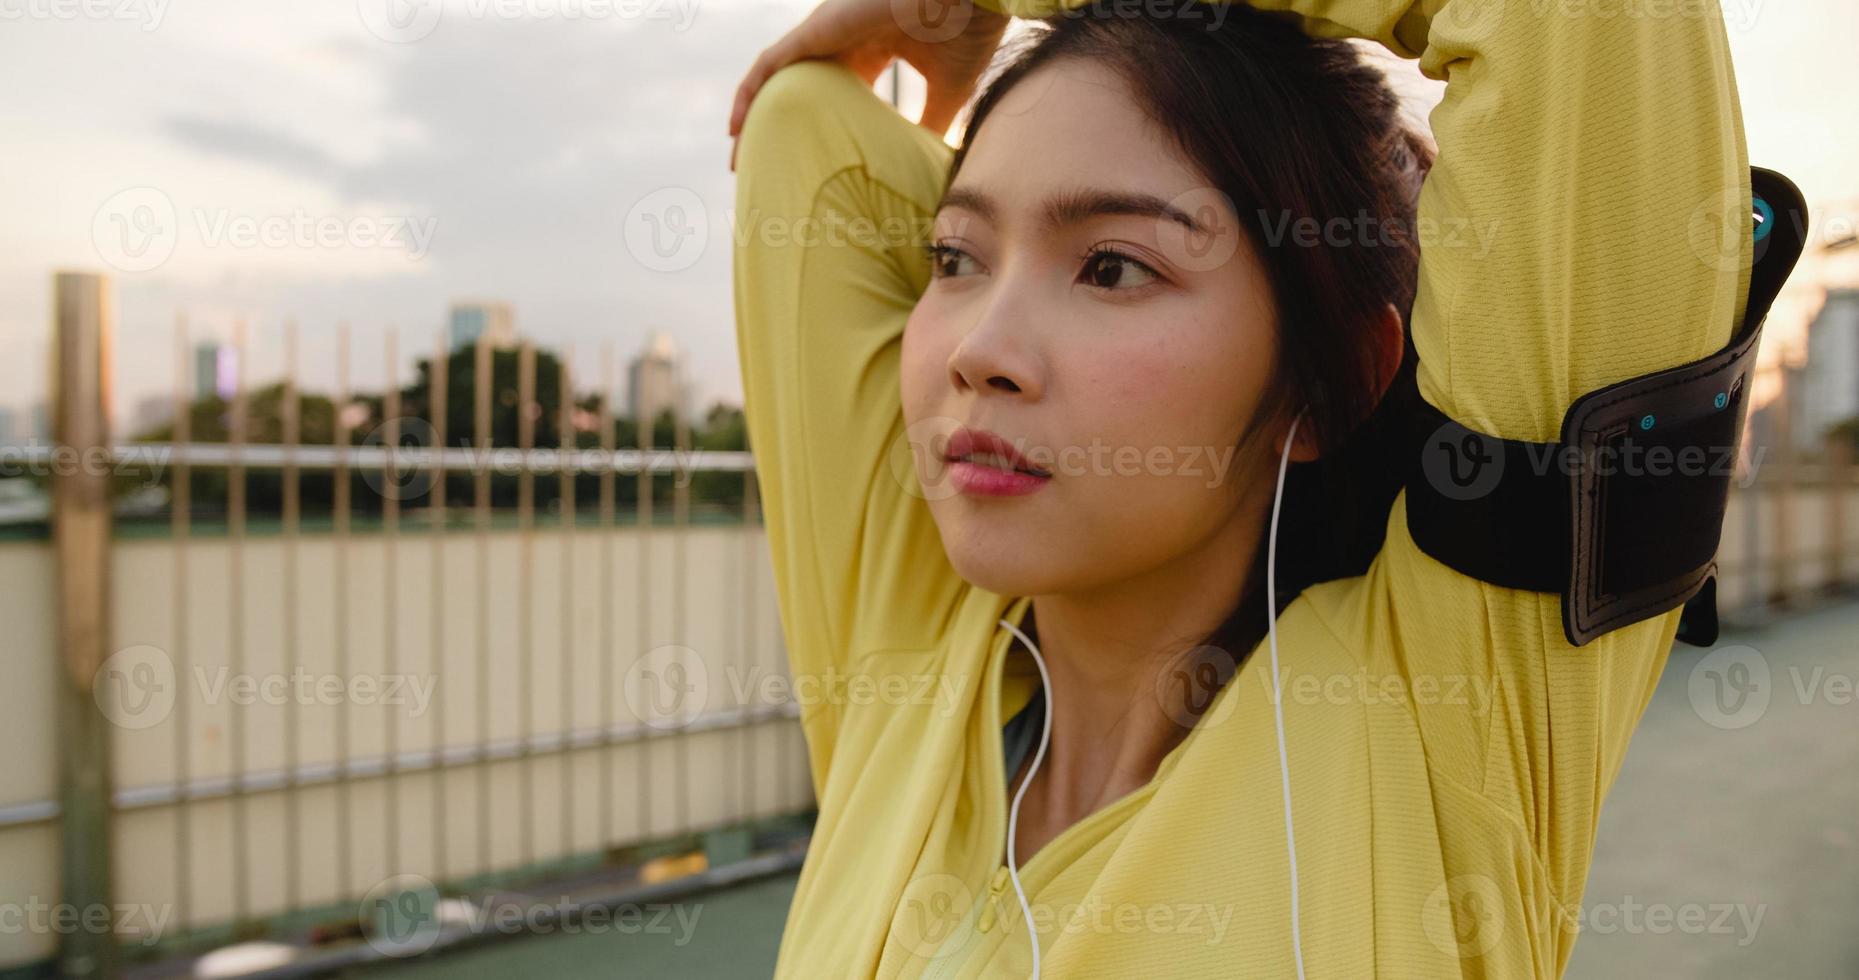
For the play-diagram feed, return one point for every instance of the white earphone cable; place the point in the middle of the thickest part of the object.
(1284, 759)
(1278, 701)
(1013, 812)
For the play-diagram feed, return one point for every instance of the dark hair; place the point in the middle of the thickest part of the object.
(1291, 129)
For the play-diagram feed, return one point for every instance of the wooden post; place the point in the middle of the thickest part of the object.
(83, 323)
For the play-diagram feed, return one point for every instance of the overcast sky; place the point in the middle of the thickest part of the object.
(204, 152)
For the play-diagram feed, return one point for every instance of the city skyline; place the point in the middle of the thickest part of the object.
(504, 156)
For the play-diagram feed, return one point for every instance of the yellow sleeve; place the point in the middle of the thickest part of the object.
(834, 193)
(1591, 161)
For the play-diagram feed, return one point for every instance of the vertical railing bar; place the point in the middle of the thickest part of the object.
(681, 529)
(567, 478)
(605, 605)
(733, 757)
(1839, 459)
(436, 411)
(180, 522)
(526, 409)
(83, 321)
(644, 437)
(390, 590)
(751, 627)
(287, 623)
(481, 410)
(342, 503)
(235, 596)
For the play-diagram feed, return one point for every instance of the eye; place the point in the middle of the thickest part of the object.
(1107, 268)
(947, 260)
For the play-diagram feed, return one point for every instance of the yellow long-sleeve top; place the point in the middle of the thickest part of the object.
(1448, 750)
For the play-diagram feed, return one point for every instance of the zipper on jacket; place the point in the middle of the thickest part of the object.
(990, 910)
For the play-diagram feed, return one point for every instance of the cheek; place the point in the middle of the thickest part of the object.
(1197, 386)
(920, 364)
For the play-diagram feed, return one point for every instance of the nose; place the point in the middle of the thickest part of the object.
(995, 356)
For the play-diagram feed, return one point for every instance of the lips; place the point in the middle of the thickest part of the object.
(982, 447)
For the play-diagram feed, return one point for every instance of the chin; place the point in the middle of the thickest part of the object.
(999, 562)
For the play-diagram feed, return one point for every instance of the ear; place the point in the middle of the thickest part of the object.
(1389, 338)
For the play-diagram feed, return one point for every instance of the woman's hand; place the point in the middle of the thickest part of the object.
(948, 41)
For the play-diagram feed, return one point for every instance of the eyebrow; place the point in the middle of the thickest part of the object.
(1077, 206)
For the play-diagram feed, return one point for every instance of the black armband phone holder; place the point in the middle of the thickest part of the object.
(1623, 514)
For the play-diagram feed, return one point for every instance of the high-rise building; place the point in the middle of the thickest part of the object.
(488, 319)
(216, 370)
(655, 381)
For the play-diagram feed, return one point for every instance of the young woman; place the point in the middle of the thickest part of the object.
(1054, 376)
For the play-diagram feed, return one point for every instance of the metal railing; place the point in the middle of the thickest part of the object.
(228, 807)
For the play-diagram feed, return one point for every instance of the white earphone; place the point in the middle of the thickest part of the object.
(1284, 759)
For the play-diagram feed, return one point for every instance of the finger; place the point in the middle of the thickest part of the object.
(745, 91)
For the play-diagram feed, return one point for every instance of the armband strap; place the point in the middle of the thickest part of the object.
(1623, 514)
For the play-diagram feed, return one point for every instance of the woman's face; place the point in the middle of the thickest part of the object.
(1074, 312)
